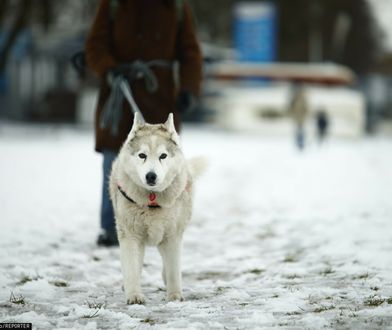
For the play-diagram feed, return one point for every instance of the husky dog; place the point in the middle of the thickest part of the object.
(151, 187)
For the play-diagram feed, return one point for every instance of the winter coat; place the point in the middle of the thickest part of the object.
(143, 30)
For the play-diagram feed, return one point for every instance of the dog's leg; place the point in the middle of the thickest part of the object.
(170, 251)
(164, 274)
(132, 253)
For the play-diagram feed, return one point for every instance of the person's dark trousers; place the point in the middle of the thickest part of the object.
(300, 137)
(108, 236)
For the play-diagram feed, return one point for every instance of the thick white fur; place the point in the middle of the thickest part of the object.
(197, 166)
(137, 224)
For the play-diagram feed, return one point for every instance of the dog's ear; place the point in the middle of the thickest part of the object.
(169, 124)
(137, 122)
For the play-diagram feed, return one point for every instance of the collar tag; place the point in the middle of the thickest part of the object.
(152, 199)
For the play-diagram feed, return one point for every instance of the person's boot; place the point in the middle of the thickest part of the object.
(107, 238)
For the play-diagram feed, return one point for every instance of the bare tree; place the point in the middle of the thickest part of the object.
(16, 15)
(23, 10)
(359, 49)
(300, 23)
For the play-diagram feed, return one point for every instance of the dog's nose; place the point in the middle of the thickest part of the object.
(151, 178)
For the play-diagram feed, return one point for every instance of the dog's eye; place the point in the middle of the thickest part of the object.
(142, 156)
(163, 156)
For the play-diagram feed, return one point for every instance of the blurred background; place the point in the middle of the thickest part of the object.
(256, 52)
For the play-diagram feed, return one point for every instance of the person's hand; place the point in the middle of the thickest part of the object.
(120, 70)
(112, 75)
(186, 102)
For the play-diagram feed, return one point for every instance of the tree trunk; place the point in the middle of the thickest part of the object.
(22, 14)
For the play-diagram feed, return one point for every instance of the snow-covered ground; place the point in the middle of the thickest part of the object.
(278, 238)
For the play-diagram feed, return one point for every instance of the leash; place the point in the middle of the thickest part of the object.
(121, 89)
(152, 204)
(152, 197)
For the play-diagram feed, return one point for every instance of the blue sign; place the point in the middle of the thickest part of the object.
(255, 31)
(22, 44)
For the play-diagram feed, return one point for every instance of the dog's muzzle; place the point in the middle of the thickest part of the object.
(151, 178)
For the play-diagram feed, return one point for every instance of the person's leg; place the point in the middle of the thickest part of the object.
(300, 137)
(108, 236)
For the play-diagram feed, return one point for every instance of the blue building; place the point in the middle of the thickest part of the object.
(255, 31)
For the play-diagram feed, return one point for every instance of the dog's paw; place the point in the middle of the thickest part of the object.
(175, 296)
(136, 299)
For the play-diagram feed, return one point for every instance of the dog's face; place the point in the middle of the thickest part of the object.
(151, 155)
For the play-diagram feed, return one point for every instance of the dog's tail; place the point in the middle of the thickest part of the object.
(197, 166)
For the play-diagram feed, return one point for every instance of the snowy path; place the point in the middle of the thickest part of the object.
(278, 239)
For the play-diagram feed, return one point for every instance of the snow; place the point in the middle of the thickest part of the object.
(279, 238)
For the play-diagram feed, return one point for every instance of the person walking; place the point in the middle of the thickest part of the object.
(322, 123)
(299, 111)
(141, 41)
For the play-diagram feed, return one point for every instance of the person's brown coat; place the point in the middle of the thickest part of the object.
(143, 30)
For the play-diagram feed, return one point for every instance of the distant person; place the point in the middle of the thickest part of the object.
(299, 109)
(140, 40)
(322, 122)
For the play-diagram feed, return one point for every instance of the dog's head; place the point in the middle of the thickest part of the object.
(151, 155)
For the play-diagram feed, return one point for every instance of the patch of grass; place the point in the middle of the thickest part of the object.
(94, 305)
(17, 300)
(92, 315)
(374, 301)
(283, 324)
(60, 283)
(312, 300)
(221, 289)
(363, 276)
(25, 279)
(256, 271)
(327, 271)
(211, 275)
(6, 305)
(352, 313)
(321, 309)
(389, 301)
(294, 313)
(291, 287)
(194, 296)
(95, 258)
(149, 321)
(290, 258)
(54, 245)
(374, 288)
(292, 276)
(267, 233)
